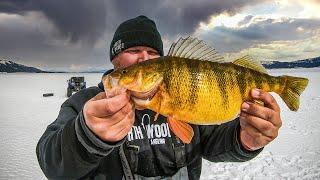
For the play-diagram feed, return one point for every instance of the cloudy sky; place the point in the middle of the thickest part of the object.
(75, 35)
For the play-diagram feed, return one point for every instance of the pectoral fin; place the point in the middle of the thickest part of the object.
(181, 129)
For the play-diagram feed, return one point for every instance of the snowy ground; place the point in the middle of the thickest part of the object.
(24, 115)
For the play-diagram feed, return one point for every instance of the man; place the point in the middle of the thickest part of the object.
(99, 137)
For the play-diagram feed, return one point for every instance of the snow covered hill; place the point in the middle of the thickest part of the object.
(10, 67)
(306, 63)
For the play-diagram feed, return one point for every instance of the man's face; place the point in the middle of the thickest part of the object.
(134, 55)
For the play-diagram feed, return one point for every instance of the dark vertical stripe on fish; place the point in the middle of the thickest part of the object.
(274, 83)
(241, 80)
(259, 78)
(166, 65)
(250, 82)
(220, 74)
(193, 70)
(176, 66)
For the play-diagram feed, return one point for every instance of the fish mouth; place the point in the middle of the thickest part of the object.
(146, 96)
(142, 98)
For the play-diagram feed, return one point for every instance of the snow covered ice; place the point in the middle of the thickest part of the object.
(25, 114)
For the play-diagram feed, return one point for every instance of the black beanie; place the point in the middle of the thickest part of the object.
(139, 31)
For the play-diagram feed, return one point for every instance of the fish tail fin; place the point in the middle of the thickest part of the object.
(293, 88)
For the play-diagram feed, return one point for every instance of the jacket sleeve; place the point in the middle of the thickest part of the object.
(221, 143)
(68, 149)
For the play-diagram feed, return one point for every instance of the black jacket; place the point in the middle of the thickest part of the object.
(69, 150)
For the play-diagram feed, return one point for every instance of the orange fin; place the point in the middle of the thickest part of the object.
(181, 129)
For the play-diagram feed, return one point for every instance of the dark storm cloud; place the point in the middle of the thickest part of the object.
(176, 17)
(88, 20)
(16, 6)
(228, 39)
(76, 19)
(274, 30)
(93, 22)
(30, 38)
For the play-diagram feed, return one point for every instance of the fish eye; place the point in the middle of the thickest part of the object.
(124, 71)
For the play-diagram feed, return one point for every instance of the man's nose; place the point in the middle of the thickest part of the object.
(143, 55)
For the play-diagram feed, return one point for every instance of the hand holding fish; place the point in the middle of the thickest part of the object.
(259, 124)
(110, 117)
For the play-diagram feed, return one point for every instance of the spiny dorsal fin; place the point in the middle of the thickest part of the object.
(194, 48)
(248, 62)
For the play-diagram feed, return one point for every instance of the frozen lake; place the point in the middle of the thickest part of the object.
(24, 115)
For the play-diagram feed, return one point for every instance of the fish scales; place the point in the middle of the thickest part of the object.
(173, 87)
(180, 85)
(202, 89)
(196, 88)
(202, 92)
(194, 80)
(198, 91)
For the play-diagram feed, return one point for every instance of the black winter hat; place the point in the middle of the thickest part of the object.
(139, 31)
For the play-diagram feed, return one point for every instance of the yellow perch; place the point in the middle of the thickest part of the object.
(193, 84)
